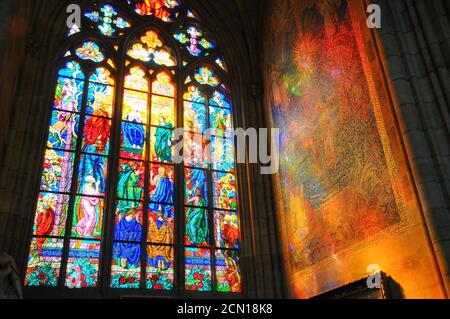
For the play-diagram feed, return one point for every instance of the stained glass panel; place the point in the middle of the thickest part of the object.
(72, 69)
(163, 85)
(88, 217)
(193, 40)
(228, 273)
(220, 99)
(221, 121)
(96, 137)
(160, 273)
(128, 222)
(44, 262)
(92, 175)
(135, 107)
(225, 196)
(126, 266)
(161, 224)
(222, 154)
(57, 172)
(90, 50)
(107, 20)
(196, 226)
(196, 150)
(130, 181)
(83, 264)
(226, 229)
(51, 215)
(100, 100)
(150, 47)
(163, 111)
(68, 95)
(63, 131)
(196, 189)
(133, 141)
(162, 189)
(136, 80)
(162, 144)
(206, 76)
(102, 76)
(193, 94)
(195, 117)
(198, 269)
(161, 9)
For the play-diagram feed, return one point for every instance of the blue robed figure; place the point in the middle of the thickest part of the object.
(128, 229)
(133, 134)
(94, 166)
(163, 194)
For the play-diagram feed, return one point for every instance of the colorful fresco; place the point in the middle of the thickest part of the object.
(335, 184)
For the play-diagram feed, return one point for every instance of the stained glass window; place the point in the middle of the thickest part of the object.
(115, 208)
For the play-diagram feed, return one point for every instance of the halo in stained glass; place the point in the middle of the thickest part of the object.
(90, 50)
(161, 9)
(206, 76)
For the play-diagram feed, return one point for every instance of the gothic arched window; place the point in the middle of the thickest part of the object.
(115, 208)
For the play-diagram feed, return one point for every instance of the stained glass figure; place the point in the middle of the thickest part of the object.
(100, 100)
(136, 80)
(128, 227)
(196, 189)
(162, 142)
(228, 273)
(92, 175)
(196, 150)
(57, 171)
(219, 99)
(68, 94)
(151, 48)
(51, 215)
(133, 141)
(163, 85)
(161, 9)
(130, 184)
(107, 20)
(226, 229)
(197, 227)
(221, 121)
(161, 187)
(193, 40)
(88, 217)
(205, 76)
(63, 131)
(161, 224)
(90, 51)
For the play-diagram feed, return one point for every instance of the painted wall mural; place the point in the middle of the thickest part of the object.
(334, 176)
